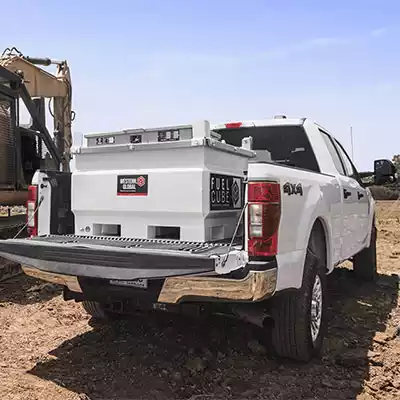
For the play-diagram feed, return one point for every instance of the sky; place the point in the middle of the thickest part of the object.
(155, 63)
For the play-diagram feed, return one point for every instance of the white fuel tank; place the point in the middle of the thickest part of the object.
(174, 182)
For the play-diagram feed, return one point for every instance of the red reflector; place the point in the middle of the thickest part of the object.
(31, 216)
(263, 248)
(269, 192)
(233, 125)
(32, 192)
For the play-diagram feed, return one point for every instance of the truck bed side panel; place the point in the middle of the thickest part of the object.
(319, 197)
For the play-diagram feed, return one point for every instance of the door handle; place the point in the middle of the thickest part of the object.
(360, 195)
(346, 193)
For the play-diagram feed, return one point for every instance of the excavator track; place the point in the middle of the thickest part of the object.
(9, 227)
(9, 269)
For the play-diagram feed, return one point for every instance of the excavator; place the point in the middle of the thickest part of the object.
(27, 148)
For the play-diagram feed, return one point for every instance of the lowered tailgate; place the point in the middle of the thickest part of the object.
(121, 258)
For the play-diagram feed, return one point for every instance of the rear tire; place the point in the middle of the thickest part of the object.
(97, 310)
(300, 316)
(364, 263)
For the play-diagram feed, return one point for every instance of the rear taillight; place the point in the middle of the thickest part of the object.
(264, 213)
(31, 205)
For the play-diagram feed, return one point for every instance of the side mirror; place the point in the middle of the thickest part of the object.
(384, 172)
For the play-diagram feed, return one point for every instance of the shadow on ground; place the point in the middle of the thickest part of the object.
(23, 290)
(178, 358)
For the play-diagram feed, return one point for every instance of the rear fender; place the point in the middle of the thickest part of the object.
(291, 263)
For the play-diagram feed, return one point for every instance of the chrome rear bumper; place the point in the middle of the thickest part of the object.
(256, 286)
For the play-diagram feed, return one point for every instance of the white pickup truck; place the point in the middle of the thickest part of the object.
(247, 218)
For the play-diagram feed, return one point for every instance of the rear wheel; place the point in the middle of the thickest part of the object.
(98, 310)
(300, 317)
(364, 263)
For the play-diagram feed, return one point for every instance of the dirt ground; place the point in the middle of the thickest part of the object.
(49, 349)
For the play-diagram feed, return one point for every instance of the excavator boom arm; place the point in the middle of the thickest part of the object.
(38, 81)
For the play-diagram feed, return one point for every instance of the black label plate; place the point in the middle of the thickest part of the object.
(226, 192)
(132, 185)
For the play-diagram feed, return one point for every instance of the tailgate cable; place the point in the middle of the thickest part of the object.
(30, 219)
(224, 261)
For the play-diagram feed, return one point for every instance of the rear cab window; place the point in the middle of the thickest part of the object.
(282, 144)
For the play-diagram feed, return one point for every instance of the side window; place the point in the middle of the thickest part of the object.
(349, 166)
(334, 153)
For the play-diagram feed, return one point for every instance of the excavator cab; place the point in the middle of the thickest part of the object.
(20, 146)
(20, 150)
(26, 148)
